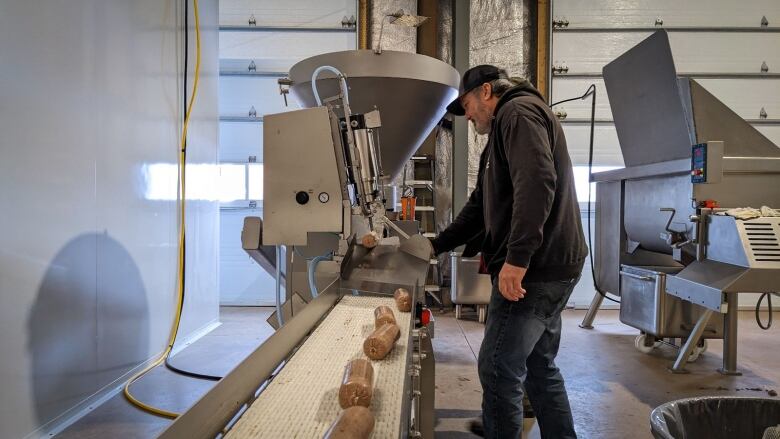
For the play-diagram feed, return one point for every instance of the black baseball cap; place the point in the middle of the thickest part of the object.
(473, 78)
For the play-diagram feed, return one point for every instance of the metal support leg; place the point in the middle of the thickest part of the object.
(595, 304)
(481, 313)
(427, 387)
(690, 344)
(730, 337)
(458, 311)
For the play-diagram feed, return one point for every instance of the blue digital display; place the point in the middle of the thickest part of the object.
(699, 163)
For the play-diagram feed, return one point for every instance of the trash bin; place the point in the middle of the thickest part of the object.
(715, 418)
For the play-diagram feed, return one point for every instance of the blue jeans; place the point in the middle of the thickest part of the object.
(517, 355)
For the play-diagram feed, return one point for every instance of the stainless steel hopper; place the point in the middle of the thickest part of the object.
(410, 90)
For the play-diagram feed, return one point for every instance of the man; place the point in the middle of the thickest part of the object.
(524, 218)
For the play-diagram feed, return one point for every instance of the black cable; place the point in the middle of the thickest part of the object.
(573, 99)
(184, 235)
(590, 91)
(758, 309)
(200, 376)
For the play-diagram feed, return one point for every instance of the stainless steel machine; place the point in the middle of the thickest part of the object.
(327, 167)
(469, 286)
(663, 242)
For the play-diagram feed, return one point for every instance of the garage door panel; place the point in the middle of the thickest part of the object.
(580, 109)
(239, 140)
(310, 13)
(278, 51)
(772, 132)
(240, 93)
(605, 141)
(693, 52)
(636, 13)
(607, 148)
(746, 97)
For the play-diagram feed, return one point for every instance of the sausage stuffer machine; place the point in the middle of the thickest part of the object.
(662, 241)
(326, 170)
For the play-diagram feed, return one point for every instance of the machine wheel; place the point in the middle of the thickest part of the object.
(640, 343)
(698, 350)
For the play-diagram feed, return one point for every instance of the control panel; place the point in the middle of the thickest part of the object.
(707, 162)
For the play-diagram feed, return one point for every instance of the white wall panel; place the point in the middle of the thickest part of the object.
(311, 13)
(201, 305)
(91, 100)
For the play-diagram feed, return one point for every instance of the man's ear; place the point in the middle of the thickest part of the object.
(487, 91)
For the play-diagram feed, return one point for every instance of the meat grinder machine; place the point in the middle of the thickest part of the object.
(663, 241)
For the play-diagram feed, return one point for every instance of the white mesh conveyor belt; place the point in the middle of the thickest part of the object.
(302, 401)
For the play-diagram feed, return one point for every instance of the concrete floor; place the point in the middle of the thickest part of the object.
(612, 386)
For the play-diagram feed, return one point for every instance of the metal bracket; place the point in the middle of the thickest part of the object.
(284, 87)
(560, 69)
(560, 22)
(348, 22)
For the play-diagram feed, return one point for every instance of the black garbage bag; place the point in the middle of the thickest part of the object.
(715, 418)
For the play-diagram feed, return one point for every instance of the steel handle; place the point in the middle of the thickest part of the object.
(636, 276)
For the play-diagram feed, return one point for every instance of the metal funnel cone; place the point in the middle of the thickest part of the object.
(410, 90)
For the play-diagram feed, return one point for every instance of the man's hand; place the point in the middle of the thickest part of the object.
(510, 282)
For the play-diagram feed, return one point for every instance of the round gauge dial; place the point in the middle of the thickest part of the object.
(324, 197)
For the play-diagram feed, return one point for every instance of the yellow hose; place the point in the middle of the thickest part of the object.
(182, 223)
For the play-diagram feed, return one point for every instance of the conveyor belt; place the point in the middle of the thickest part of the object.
(302, 401)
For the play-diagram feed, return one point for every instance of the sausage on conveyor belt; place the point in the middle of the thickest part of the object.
(403, 300)
(370, 240)
(357, 387)
(383, 315)
(353, 423)
(381, 341)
